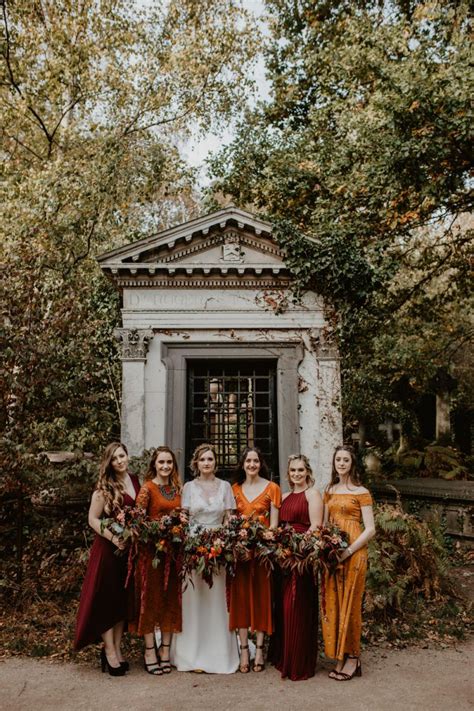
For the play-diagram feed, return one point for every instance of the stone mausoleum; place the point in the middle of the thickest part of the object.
(214, 347)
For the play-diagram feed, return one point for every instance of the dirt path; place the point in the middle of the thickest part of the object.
(409, 680)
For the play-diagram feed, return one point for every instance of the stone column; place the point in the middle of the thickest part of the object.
(134, 351)
(329, 399)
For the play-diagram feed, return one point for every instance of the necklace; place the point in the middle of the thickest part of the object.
(168, 491)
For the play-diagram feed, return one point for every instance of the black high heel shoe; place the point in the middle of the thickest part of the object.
(125, 665)
(153, 668)
(104, 662)
(164, 663)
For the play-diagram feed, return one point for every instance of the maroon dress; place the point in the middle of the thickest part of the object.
(294, 645)
(103, 600)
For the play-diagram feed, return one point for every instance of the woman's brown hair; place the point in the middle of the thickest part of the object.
(108, 485)
(150, 473)
(240, 475)
(353, 475)
(198, 452)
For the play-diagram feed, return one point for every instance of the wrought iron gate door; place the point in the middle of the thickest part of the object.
(232, 404)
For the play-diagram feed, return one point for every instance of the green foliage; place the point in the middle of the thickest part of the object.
(361, 159)
(95, 99)
(407, 563)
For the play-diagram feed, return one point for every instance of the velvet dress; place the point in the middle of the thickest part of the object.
(154, 604)
(344, 590)
(294, 645)
(103, 601)
(251, 588)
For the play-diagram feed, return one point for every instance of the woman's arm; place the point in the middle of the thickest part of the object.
(365, 536)
(274, 516)
(315, 508)
(96, 510)
(227, 515)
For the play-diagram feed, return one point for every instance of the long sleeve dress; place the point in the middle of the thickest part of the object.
(153, 603)
(251, 587)
(206, 642)
(344, 590)
(103, 601)
(294, 645)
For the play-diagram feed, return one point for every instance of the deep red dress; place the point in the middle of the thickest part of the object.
(294, 645)
(103, 600)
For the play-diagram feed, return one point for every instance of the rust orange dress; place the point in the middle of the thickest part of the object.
(344, 590)
(152, 605)
(251, 588)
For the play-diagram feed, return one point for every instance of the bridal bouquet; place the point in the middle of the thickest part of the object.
(206, 552)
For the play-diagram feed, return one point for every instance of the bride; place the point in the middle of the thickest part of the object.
(206, 644)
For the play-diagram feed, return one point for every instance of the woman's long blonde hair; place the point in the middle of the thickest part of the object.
(108, 485)
(150, 473)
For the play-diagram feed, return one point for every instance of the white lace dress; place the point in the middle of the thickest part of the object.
(206, 642)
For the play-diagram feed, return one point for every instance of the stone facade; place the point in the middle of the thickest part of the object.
(218, 288)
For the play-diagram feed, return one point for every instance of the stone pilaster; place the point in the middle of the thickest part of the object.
(134, 353)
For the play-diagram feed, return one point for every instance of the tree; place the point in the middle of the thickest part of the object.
(95, 98)
(361, 159)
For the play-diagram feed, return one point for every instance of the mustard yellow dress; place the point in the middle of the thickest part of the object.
(344, 590)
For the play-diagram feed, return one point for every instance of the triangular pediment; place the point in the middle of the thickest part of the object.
(229, 242)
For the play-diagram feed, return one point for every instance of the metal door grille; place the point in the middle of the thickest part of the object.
(233, 405)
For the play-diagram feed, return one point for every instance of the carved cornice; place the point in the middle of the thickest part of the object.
(134, 342)
(193, 283)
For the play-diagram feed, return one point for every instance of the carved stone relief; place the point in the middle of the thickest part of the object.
(134, 342)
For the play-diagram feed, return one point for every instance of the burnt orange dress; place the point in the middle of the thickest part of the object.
(344, 590)
(251, 588)
(153, 605)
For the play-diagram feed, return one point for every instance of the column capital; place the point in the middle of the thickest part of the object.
(134, 342)
(324, 345)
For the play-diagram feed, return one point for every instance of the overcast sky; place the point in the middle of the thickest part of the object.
(197, 150)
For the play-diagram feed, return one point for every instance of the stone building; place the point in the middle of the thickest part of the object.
(214, 348)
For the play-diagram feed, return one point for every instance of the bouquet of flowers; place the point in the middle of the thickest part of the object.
(207, 551)
(166, 534)
(286, 550)
(330, 541)
(127, 524)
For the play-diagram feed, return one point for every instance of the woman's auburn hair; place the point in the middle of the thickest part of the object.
(175, 479)
(198, 452)
(353, 474)
(108, 485)
(309, 472)
(240, 476)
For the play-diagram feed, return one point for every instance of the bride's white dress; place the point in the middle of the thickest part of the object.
(206, 642)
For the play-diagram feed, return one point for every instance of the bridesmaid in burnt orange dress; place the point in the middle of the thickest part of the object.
(346, 502)
(154, 605)
(250, 594)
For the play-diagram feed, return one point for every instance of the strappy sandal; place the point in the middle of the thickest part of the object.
(152, 668)
(165, 663)
(244, 668)
(343, 676)
(258, 666)
(334, 673)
